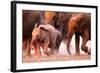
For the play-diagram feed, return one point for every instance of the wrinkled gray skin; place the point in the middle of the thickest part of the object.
(47, 37)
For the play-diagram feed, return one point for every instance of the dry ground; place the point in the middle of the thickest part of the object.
(33, 59)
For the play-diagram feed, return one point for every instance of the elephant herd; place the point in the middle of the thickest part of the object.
(47, 29)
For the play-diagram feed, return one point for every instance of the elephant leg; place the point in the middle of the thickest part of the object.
(83, 46)
(28, 48)
(45, 50)
(36, 47)
(58, 42)
(54, 45)
(45, 44)
(69, 37)
(77, 42)
(54, 49)
(51, 51)
(89, 51)
(24, 45)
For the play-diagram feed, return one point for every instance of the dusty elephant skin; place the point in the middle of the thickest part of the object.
(50, 17)
(47, 37)
(29, 19)
(62, 22)
(58, 19)
(80, 25)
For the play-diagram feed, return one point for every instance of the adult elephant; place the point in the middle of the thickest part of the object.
(47, 37)
(29, 18)
(62, 22)
(50, 17)
(80, 25)
(58, 19)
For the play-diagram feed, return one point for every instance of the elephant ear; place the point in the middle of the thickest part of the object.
(42, 28)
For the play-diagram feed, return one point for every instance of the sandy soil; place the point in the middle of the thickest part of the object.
(33, 59)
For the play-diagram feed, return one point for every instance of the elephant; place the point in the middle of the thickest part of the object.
(47, 37)
(62, 22)
(57, 19)
(80, 25)
(63, 19)
(50, 17)
(29, 18)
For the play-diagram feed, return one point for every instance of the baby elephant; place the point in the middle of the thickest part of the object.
(46, 36)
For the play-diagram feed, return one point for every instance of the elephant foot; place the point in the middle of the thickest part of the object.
(56, 52)
(69, 53)
(27, 55)
(89, 52)
(85, 49)
(52, 53)
(47, 53)
(77, 54)
(37, 54)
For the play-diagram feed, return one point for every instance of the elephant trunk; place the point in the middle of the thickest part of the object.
(69, 37)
